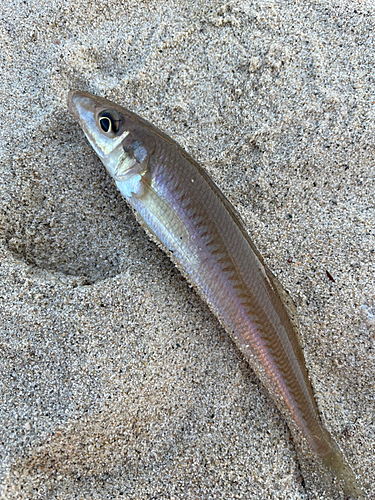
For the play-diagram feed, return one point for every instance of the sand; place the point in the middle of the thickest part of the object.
(116, 380)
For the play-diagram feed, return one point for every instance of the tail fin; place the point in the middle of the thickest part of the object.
(335, 462)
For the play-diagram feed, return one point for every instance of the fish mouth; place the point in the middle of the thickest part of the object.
(82, 105)
(72, 104)
(72, 97)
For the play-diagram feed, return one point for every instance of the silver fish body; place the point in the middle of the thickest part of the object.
(185, 212)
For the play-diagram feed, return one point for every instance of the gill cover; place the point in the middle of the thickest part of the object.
(132, 159)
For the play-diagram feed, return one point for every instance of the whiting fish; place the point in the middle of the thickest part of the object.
(186, 214)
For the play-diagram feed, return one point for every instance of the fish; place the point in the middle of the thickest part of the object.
(185, 213)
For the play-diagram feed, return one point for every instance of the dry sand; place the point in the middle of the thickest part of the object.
(116, 381)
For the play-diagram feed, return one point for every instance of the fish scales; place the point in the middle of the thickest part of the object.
(187, 215)
(240, 300)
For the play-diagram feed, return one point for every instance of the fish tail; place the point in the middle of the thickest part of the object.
(335, 462)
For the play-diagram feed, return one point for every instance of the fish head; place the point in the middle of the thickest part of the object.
(114, 134)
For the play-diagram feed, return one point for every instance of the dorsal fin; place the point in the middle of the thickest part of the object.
(287, 301)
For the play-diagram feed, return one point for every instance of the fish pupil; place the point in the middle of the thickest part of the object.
(105, 124)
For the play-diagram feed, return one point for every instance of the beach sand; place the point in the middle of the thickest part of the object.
(116, 380)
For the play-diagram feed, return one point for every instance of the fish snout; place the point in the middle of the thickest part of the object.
(71, 106)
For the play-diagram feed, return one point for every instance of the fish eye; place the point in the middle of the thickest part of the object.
(109, 122)
(105, 124)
